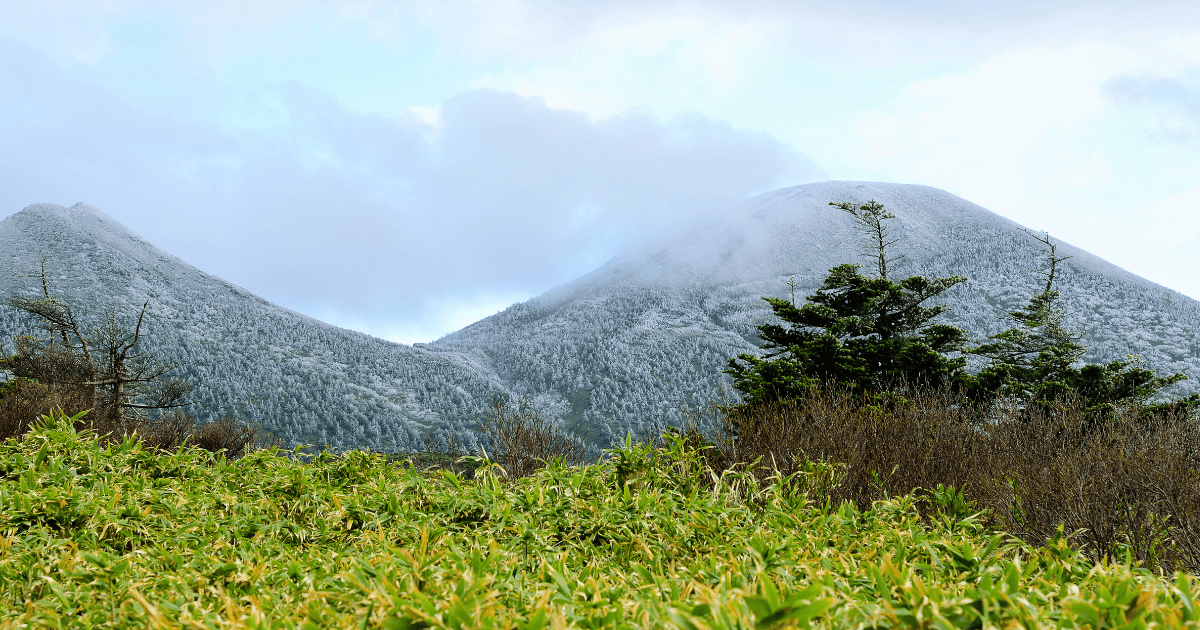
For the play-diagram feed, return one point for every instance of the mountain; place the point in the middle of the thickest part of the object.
(629, 346)
(308, 381)
(626, 348)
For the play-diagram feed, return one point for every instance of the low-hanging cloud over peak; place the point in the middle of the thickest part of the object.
(290, 194)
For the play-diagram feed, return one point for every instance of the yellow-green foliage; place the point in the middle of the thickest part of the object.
(129, 537)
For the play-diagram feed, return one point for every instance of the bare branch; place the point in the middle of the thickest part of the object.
(870, 217)
(119, 381)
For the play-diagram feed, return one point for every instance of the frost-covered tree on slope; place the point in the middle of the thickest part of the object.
(868, 333)
(1040, 360)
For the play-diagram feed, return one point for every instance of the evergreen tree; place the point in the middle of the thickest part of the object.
(868, 333)
(1041, 361)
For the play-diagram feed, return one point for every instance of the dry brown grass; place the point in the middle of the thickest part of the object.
(232, 437)
(26, 401)
(1123, 487)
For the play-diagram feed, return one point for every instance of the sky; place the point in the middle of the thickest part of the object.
(407, 168)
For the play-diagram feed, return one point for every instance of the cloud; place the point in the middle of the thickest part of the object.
(1073, 140)
(394, 223)
(425, 156)
(1171, 103)
(848, 35)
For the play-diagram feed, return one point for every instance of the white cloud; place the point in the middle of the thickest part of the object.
(1162, 241)
(440, 314)
(979, 129)
(391, 222)
(349, 129)
(1170, 105)
(667, 62)
(1073, 140)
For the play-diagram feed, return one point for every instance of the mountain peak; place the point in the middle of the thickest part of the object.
(81, 218)
(795, 232)
(306, 380)
(55, 212)
(627, 346)
(67, 234)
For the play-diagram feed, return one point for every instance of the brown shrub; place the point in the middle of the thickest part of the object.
(24, 401)
(1128, 485)
(1122, 486)
(441, 451)
(232, 437)
(886, 449)
(521, 441)
(167, 432)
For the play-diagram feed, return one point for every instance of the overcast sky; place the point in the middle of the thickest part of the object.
(405, 168)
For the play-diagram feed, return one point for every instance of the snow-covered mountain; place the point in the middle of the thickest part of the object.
(623, 348)
(307, 380)
(627, 346)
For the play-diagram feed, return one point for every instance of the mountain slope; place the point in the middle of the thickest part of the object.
(622, 349)
(307, 380)
(625, 347)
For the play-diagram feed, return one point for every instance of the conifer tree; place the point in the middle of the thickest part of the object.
(1040, 360)
(865, 332)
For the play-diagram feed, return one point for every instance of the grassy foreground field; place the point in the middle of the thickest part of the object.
(130, 537)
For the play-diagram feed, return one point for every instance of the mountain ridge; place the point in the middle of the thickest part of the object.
(627, 348)
(308, 381)
(657, 297)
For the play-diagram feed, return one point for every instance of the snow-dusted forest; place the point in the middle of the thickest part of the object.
(306, 380)
(623, 349)
(630, 345)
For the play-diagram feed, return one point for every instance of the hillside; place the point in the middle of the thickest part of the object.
(622, 349)
(625, 347)
(306, 380)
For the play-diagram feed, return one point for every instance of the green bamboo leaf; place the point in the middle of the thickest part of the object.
(223, 570)
(536, 621)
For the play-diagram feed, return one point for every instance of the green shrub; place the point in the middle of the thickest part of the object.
(96, 534)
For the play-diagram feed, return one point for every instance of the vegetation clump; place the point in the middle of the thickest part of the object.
(860, 376)
(866, 332)
(878, 337)
(1128, 487)
(102, 371)
(118, 535)
(522, 440)
(1041, 361)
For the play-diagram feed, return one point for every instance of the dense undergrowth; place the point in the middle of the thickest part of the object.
(1123, 483)
(115, 534)
(23, 401)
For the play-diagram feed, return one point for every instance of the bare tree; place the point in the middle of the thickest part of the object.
(523, 441)
(120, 383)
